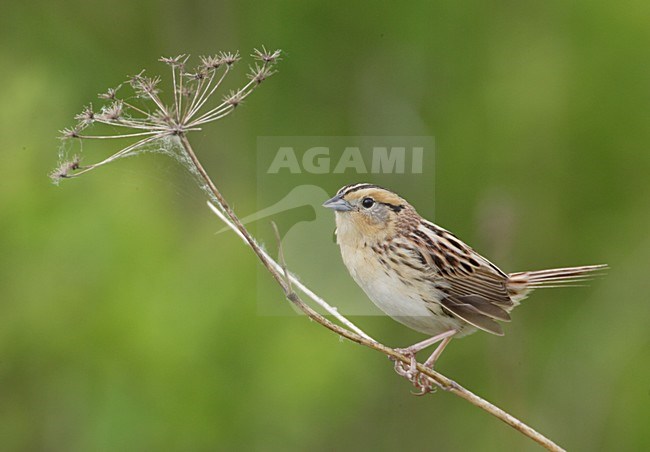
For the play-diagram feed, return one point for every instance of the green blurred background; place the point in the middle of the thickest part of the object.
(126, 324)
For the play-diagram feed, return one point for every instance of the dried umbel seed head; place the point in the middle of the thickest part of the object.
(211, 63)
(200, 73)
(152, 120)
(112, 112)
(70, 132)
(87, 116)
(65, 169)
(266, 56)
(259, 73)
(144, 86)
(229, 58)
(110, 94)
(233, 98)
(174, 62)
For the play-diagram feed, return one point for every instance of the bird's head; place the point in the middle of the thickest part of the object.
(366, 212)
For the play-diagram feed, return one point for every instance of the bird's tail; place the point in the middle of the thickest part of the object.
(520, 284)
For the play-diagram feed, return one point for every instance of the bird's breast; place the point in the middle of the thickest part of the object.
(395, 289)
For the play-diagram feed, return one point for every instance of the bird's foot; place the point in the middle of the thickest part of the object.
(406, 370)
(420, 381)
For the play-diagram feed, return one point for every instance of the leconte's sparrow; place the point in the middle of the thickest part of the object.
(425, 277)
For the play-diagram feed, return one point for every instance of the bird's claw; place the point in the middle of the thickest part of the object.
(423, 384)
(410, 371)
(402, 369)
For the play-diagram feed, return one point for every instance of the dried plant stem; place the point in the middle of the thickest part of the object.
(284, 280)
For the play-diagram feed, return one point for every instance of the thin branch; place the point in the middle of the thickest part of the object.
(117, 155)
(134, 108)
(112, 137)
(283, 263)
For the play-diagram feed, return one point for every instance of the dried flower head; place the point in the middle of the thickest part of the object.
(233, 98)
(229, 58)
(70, 132)
(87, 116)
(65, 169)
(154, 123)
(177, 61)
(199, 73)
(211, 63)
(110, 94)
(260, 72)
(144, 86)
(265, 56)
(112, 112)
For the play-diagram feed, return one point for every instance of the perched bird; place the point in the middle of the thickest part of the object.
(425, 277)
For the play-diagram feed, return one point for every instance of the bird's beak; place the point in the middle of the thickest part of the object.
(337, 203)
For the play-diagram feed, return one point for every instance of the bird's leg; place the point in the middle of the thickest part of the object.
(421, 381)
(411, 371)
(437, 352)
(413, 349)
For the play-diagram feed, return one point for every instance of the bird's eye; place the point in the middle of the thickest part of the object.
(367, 202)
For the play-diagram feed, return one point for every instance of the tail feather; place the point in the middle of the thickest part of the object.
(520, 284)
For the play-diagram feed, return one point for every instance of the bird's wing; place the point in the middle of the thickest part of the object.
(474, 288)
